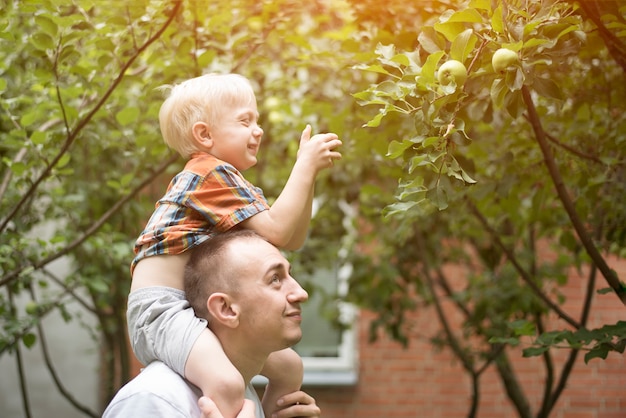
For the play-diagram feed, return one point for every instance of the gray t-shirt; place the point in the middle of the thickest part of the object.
(159, 392)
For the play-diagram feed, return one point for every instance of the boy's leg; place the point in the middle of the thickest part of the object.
(209, 368)
(285, 371)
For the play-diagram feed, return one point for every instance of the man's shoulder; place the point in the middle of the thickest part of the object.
(153, 375)
(155, 388)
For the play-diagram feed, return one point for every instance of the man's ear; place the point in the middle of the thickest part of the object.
(202, 135)
(223, 310)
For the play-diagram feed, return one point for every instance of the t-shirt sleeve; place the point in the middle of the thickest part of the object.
(225, 198)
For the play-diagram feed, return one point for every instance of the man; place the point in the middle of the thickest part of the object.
(242, 285)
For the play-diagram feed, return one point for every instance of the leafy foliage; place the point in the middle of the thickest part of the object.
(457, 170)
(499, 170)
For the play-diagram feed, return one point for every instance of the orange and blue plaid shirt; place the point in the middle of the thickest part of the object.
(209, 196)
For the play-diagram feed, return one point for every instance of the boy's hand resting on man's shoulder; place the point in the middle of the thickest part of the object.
(296, 404)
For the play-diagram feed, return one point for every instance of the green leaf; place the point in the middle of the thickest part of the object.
(533, 42)
(427, 75)
(547, 88)
(480, 4)
(30, 117)
(396, 148)
(469, 15)
(39, 137)
(439, 197)
(18, 168)
(372, 123)
(534, 351)
(522, 327)
(42, 41)
(462, 45)
(417, 161)
(498, 92)
(127, 116)
(497, 23)
(98, 285)
(515, 78)
(398, 208)
(430, 40)
(600, 352)
(375, 68)
(63, 161)
(47, 25)
(450, 29)
(466, 178)
(29, 340)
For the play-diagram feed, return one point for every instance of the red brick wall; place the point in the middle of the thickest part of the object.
(421, 382)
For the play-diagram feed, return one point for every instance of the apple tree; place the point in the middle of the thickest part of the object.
(507, 120)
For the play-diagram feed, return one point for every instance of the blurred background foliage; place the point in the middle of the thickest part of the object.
(491, 173)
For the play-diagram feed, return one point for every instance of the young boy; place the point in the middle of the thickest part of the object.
(212, 120)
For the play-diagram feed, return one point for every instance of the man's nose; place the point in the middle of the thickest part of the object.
(297, 293)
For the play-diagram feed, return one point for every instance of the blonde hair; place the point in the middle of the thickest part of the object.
(199, 99)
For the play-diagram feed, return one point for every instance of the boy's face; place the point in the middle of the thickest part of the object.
(237, 136)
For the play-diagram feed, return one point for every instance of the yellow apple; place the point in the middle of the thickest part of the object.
(452, 70)
(502, 59)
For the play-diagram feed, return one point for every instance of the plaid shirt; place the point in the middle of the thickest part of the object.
(207, 197)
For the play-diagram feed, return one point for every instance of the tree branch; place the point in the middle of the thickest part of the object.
(72, 135)
(9, 277)
(614, 45)
(55, 377)
(522, 272)
(568, 205)
(20, 365)
(547, 400)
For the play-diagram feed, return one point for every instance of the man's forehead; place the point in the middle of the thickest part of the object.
(257, 251)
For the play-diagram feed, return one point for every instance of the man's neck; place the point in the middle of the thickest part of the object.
(245, 359)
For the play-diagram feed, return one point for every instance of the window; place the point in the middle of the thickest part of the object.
(329, 353)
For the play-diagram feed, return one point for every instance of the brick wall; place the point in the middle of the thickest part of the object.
(421, 382)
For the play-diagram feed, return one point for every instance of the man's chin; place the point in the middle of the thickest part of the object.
(292, 340)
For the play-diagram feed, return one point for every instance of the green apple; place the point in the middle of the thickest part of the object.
(272, 103)
(31, 308)
(275, 117)
(452, 70)
(502, 59)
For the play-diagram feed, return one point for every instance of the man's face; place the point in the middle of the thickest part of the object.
(269, 298)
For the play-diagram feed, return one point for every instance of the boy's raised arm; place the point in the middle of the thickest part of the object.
(286, 223)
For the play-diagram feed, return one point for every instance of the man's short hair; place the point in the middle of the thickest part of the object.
(211, 269)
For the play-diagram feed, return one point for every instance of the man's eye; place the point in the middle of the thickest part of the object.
(276, 278)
